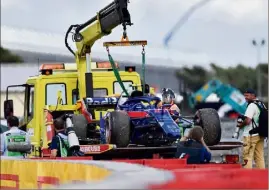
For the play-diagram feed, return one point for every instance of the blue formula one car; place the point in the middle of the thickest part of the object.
(137, 120)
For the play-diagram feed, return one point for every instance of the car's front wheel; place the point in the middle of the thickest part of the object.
(118, 128)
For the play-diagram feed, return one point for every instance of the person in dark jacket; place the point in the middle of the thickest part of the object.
(59, 145)
(193, 147)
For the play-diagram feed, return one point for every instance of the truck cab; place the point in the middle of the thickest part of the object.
(56, 89)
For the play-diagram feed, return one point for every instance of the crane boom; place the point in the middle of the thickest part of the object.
(86, 34)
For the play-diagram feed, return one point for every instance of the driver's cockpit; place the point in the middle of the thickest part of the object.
(136, 93)
(137, 101)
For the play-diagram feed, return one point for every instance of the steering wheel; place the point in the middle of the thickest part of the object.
(139, 104)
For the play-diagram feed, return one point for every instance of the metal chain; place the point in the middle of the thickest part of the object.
(143, 68)
(124, 31)
(143, 49)
(124, 35)
(107, 49)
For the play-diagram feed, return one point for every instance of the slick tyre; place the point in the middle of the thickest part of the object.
(80, 126)
(209, 120)
(119, 128)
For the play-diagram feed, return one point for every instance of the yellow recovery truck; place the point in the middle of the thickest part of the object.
(60, 88)
(64, 88)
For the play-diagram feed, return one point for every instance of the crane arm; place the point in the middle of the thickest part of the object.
(86, 34)
(102, 24)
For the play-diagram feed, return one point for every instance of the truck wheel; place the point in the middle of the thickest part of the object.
(118, 129)
(209, 120)
(80, 126)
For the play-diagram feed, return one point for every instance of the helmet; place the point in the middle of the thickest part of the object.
(168, 95)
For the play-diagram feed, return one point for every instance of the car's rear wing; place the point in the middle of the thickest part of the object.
(101, 102)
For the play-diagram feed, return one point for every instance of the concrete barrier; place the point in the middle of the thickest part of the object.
(78, 174)
(217, 178)
(125, 176)
(89, 174)
(32, 174)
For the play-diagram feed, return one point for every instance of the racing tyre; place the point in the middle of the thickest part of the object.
(210, 122)
(80, 126)
(119, 129)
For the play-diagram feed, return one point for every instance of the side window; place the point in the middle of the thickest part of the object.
(100, 92)
(117, 89)
(52, 93)
(31, 102)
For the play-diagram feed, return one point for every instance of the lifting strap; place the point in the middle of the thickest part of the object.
(116, 72)
(125, 42)
(143, 68)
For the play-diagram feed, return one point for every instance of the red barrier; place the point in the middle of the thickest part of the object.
(193, 166)
(9, 177)
(140, 161)
(147, 162)
(154, 162)
(217, 178)
(47, 180)
(174, 164)
(224, 166)
(170, 166)
(65, 158)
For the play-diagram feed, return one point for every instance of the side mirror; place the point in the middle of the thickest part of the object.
(8, 108)
(147, 89)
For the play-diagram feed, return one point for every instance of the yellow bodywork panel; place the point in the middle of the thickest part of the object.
(90, 36)
(81, 65)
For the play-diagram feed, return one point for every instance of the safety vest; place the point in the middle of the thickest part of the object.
(13, 140)
(64, 146)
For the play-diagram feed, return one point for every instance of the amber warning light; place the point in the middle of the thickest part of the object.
(130, 69)
(51, 66)
(46, 72)
(105, 65)
(72, 66)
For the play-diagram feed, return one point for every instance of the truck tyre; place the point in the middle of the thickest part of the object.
(80, 126)
(119, 130)
(209, 120)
